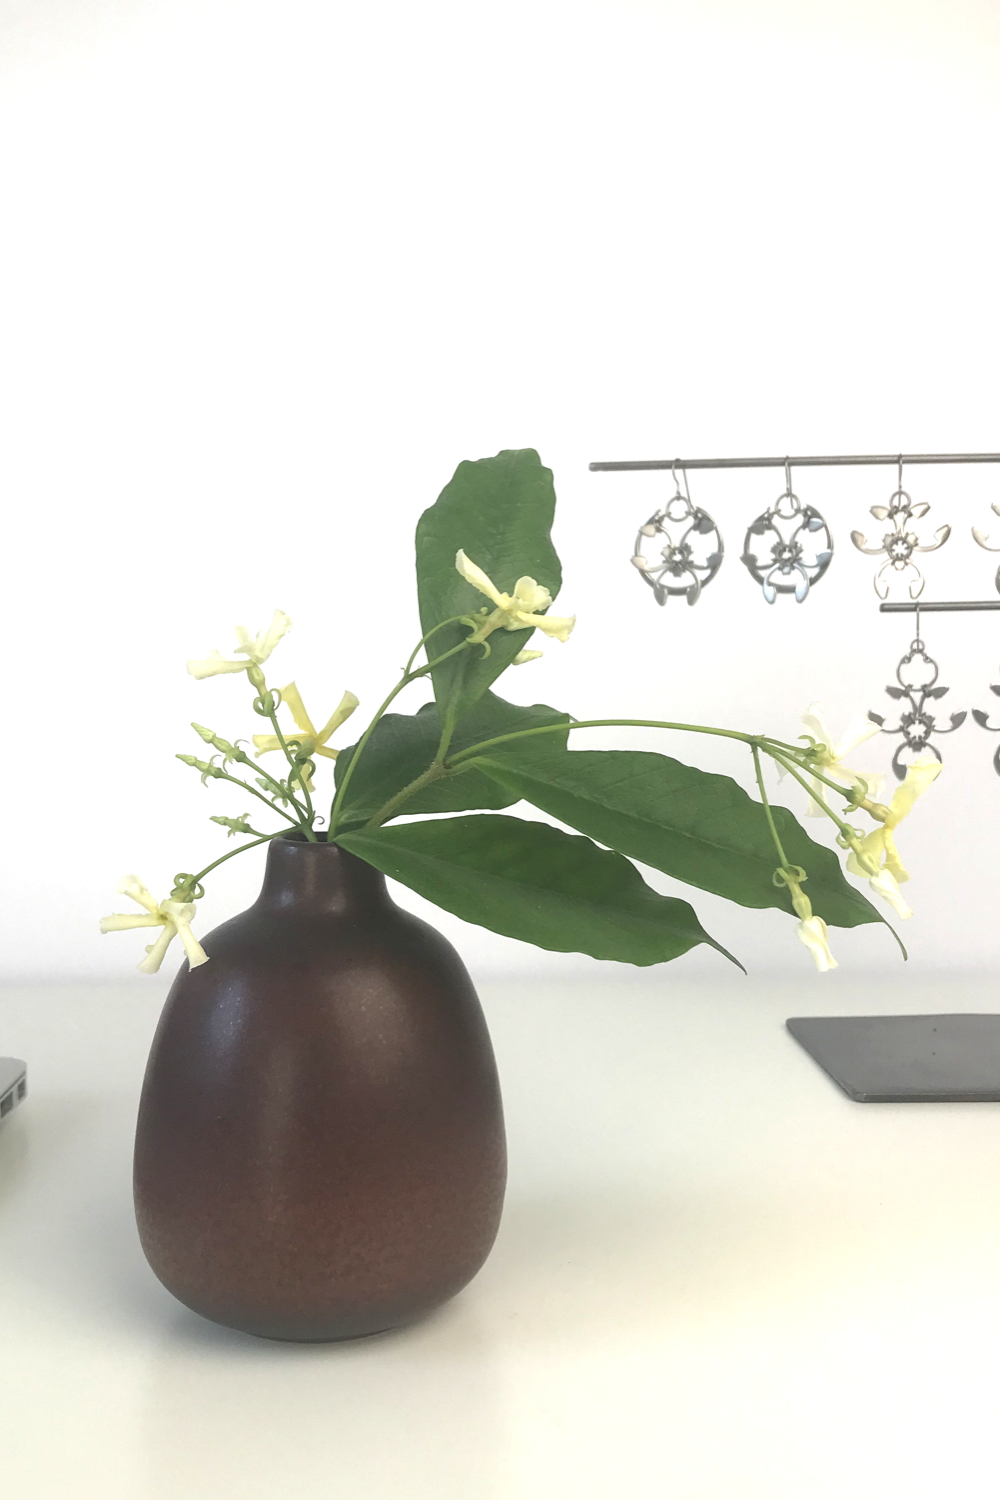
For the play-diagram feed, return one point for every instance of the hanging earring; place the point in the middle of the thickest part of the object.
(801, 555)
(679, 556)
(899, 544)
(983, 541)
(917, 725)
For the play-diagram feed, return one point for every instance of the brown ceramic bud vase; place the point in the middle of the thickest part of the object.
(320, 1148)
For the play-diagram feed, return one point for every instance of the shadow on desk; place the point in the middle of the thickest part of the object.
(417, 1413)
(32, 1137)
(69, 1236)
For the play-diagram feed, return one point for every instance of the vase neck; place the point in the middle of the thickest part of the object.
(320, 878)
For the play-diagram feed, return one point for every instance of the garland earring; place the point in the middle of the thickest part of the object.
(917, 675)
(899, 544)
(799, 553)
(692, 549)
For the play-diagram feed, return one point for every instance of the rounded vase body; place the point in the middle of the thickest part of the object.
(320, 1148)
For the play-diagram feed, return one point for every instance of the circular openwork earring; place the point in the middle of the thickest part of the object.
(798, 551)
(691, 553)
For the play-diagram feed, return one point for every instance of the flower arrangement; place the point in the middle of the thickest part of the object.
(468, 751)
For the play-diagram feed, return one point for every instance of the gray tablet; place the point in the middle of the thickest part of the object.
(13, 1084)
(878, 1059)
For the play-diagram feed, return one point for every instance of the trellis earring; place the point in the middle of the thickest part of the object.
(691, 553)
(792, 556)
(899, 544)
(917, 675)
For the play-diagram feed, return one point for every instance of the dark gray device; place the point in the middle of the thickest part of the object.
(13, 1084)
(881, 1059)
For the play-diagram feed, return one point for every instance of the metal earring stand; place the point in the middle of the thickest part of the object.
(827, 461)
(886, 1058)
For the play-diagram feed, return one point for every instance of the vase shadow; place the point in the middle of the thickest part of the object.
(407, 1413)
(66, 1206)
(579, 1270)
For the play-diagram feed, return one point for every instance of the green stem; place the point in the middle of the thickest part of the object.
(362, 742)
(767, 807)
(308, 815)
(834, 786)
(465, 757)
(519, 734)
(434, 772)
(225, 776)
(845, 828)
(447, 730)
(307, 827)
(769, 739)
(279, 790)
(299, 772)
(454, 620)
(404, 681)
(264, 839)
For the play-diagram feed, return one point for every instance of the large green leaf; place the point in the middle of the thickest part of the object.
(499, 512)
(699, 827)
(403, 746)
(536, 883)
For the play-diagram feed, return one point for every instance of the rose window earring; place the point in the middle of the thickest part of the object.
(685, 547)
(791, 556)
(917, 675)
(899, 543)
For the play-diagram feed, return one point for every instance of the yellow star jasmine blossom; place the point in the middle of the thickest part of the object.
(524, 656)
(876, 857)
(256, 649)
(312, 740)
(517, 611)
(173, 916)
(829, 754)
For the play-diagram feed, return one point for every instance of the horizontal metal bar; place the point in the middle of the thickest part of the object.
(938, 606)
(795, 462)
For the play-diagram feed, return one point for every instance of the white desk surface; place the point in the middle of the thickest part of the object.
(717, 1277)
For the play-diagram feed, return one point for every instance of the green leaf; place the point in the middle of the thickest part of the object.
(536, 883)
(697, 826)
(403, 746)
(499, 512)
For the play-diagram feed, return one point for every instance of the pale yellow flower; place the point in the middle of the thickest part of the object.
(812, 931)
(885, 885)
(524, 656)
(173, 916)
(312, 740)
(809, 929)
(829, 759)
(517, 611)
(256, 649)
(876, 857)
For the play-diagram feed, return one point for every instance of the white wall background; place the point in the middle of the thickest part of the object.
(269, 272)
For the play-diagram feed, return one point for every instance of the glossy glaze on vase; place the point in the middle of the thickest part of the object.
(320, 1148)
